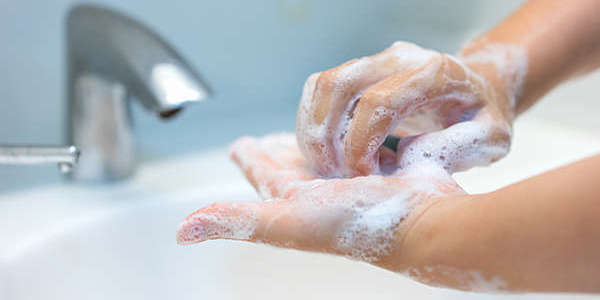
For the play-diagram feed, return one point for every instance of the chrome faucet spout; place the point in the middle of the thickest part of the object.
(65, 156)
(111, 59)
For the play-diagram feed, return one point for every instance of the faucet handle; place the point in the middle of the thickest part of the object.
(65, 156)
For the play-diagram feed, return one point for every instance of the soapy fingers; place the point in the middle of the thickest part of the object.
(271, 164)
(363, 217)
(298, 222)
(329, 99)
(443, 86)
(459, 147)
(342, 123)
(271, 222)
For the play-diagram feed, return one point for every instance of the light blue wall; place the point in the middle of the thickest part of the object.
(254, 54)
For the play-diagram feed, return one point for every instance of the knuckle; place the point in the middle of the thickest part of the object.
(375, 97)
(327, 80)
(340, 77)
(437, 61)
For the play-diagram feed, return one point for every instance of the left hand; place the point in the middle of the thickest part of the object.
(453, 111)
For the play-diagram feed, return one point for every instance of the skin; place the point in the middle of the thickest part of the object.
(400, 83)
(305, 212)
(542, 234)
(539, 235)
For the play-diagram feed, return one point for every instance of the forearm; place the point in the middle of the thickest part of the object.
(561, 39)
(542, 234)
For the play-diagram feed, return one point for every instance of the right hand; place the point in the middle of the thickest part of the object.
(444, 112)
(365, 218)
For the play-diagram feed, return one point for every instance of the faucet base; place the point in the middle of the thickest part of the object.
(101, 129)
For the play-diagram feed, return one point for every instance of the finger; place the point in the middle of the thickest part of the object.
(324, 123)
(337, 86)
(443, 86)
(459, 147)
(273, 222)
(272, 164)
(236, 221)
(320, 127)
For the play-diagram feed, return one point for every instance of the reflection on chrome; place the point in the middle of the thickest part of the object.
(113, 58)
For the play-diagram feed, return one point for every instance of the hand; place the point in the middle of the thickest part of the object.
(454, 112)
(365, 218)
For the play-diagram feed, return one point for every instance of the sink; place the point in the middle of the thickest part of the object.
(118, 242)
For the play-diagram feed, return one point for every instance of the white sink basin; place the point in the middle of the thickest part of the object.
(118, 242)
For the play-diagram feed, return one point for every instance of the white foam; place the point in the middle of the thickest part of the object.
(411, 55)
(375, 208)
(459, 147)
(368, 237)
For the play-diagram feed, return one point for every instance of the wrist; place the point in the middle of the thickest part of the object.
(503, 67)
(438, 246)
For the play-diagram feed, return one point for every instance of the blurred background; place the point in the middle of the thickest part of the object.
(254, 54)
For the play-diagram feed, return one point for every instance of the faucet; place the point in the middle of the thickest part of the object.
(65, 156)
(113, 58)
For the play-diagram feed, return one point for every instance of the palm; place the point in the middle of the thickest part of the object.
(362, 217)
